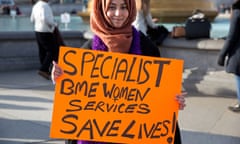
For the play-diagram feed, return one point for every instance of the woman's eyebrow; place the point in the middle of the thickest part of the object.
(112, 4)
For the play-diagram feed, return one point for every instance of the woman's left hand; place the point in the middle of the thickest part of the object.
(181, 100)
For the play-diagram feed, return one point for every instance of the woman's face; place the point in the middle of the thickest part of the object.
(117, 12)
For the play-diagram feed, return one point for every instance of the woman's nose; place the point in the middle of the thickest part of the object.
(117, 12)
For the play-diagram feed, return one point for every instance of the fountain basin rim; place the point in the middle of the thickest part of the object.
(18, 35)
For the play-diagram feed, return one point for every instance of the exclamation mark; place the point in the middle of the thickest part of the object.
(170, 139)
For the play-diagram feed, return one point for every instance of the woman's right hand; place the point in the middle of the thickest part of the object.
(56, 72)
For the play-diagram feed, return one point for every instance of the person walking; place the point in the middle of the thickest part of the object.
(144, 17)
(111, 22)
(231, 51)
(44, 26)
(147, 25)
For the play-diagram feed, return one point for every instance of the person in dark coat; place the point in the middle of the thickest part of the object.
(111, 22)
(230, 53)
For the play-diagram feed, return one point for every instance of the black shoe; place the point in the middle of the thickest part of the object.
(46, 75)
(235, 108)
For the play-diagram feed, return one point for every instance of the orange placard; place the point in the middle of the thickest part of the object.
(113, 97)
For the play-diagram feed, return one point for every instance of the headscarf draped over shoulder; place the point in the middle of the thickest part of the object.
(116, 39)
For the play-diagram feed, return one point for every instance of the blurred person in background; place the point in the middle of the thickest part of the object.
(147, 25)
(44, 26)
(230, 54)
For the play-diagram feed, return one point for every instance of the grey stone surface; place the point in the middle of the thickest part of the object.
(26, 101)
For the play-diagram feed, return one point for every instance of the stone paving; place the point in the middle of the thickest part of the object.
(26, 101)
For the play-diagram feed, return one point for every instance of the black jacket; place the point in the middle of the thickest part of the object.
(231, 48)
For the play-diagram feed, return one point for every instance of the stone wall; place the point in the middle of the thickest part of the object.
(201, 74)
(19, 50)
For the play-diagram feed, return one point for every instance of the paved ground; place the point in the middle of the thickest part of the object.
(26, 101)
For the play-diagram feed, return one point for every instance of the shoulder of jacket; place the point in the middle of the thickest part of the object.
(143, 37)
(87, 44)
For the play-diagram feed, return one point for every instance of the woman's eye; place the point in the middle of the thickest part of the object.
(124, 7)
(112, 7)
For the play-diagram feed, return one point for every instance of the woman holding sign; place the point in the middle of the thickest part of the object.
(111, 22)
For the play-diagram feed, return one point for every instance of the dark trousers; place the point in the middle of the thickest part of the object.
(47, 48)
